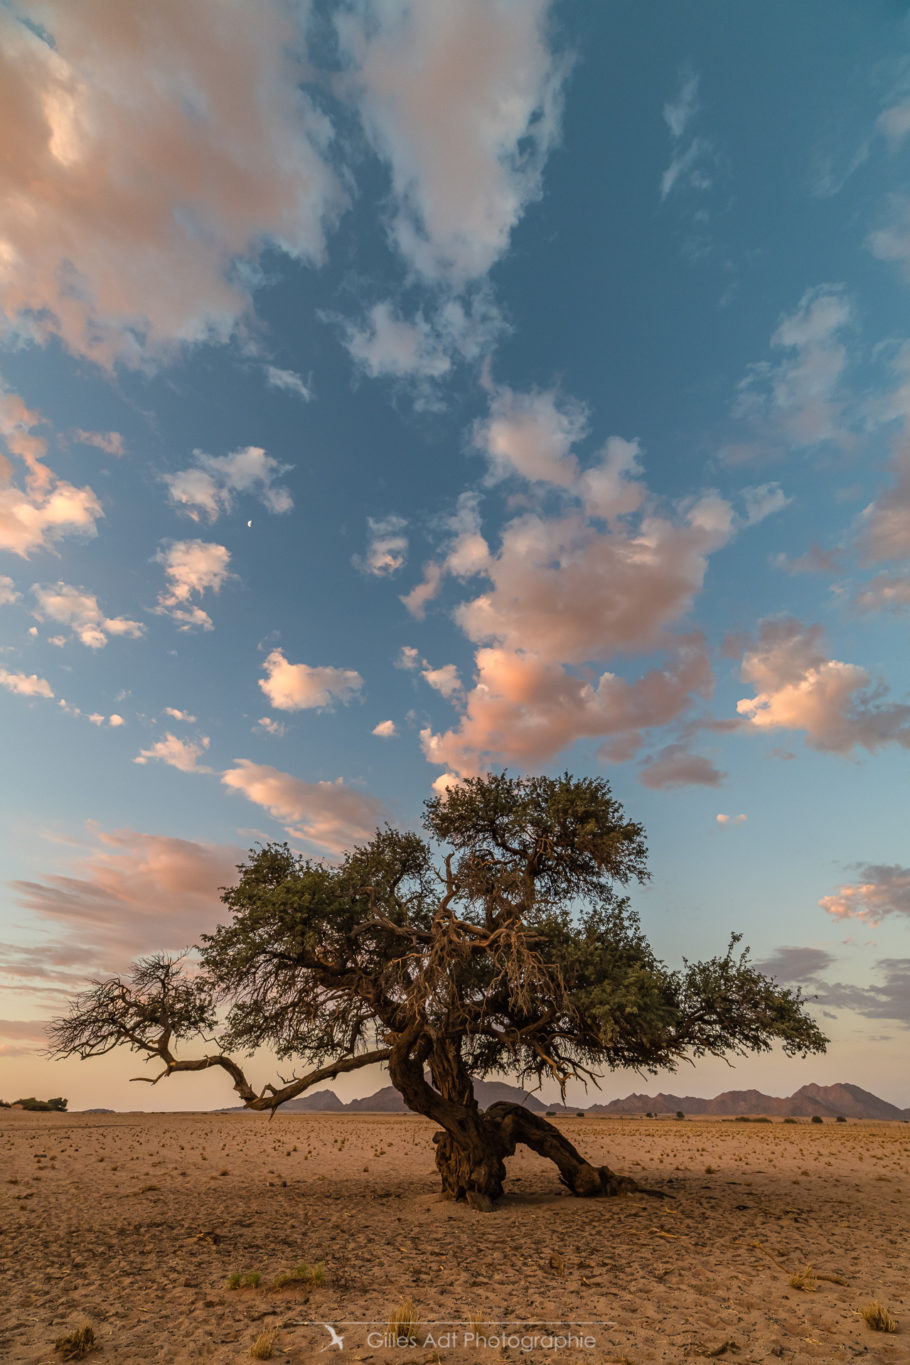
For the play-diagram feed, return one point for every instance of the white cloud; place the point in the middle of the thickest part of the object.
(679, 112)
(80, 611)
(207, 488)
(687, 169)
(891, 240)
(289, 382)
(111, 442)
(298, 687)
(881, 890)
(385, 729)
(798, 687)
(797, 399)
(115, 721)
(894, 123)
(172, 139)
(444, 680)
(387, 546)
(532, 434)
(191, 566)
(178, 753)
(177, 714)
(731, 819)
(328, 815)
(26, 684)
(462, 99)
(385, 345)
(763, 501)
(271, 727)
(408, 657)
(8, 593)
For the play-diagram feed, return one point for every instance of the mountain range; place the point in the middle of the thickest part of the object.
(825, 1101)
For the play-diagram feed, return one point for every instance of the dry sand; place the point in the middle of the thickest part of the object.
(136, 1221)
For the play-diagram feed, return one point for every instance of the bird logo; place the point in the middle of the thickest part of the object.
(337, 1340)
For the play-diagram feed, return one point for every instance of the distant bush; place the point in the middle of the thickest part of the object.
(5, 1104)
(840, 1119)
(762, 1118)
(742, 1118)
(817, 1118)
(790, 1120)
(57, 1105)
(680, 1114)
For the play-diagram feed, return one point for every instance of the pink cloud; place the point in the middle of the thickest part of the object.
(81, 612)
(677, 766)
(191, 567)
(329, 815)
(882, 890)
(298, 687)
(111, 442)
(183, 754)
(798, 687)
(148, 148)
(26, 684)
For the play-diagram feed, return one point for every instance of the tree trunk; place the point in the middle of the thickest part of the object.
(471, 1167)
(517, 1124)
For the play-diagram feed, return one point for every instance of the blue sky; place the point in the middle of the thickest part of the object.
(390, 392)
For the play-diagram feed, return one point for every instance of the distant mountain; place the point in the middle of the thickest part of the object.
(827, 1101)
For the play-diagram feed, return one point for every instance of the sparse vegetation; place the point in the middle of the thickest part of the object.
(54, 1106)
(404, 1323)
(817, 1118)
(262, 1347)
(303, 1273)
(876, 1316)
(805, 1280)
(77, 1345)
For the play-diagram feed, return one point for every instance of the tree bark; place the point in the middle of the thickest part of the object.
(517, 1124)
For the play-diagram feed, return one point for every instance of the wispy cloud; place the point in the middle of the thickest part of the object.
(191, 567)
(81, 612)
(209, 486)
(328, 815)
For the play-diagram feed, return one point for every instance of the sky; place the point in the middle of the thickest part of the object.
(394, 392)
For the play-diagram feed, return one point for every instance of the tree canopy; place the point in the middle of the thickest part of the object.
(500, 940)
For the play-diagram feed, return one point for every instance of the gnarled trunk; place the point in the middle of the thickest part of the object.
(517, 1124)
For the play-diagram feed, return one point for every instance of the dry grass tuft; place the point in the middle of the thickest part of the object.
(261, 1348)
(556, 1264)
(404, 1322)
(805, 1279)
(876, 1316)
(78, 1344)
(301, 1274)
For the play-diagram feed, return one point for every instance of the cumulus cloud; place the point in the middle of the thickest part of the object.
(462, 100)
(207, 488)
(676, 766)
(8, 593)
(523, 709)
(328, 815)
(131, 893)
(880, 890)
(298, 687)
(38, 509)
(387, 546)
(798, 687)
(191, 566)
(796, 399)
(444, 680)
(408, 657)
(81, 612)
(26, 684)
(111, 442)
(176, 714)
(385, 729)
(288, 381)
(731, 819)
(532, 434)
(422, 349)
(153, 147)
(271, 727)
(885, 592)
(177, 753)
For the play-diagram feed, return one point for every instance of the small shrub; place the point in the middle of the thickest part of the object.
(77, 1344)
(840, 1119)
(404, 1323)
(261, 1348)
(876, 1316)
(817, 1118)
(301, 1274)
(680, 1114)
(789, 1120)
(805, 1279)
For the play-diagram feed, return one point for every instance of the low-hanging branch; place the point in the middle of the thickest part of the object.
(501, 944)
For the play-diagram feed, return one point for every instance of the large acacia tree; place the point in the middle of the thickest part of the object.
(500, 943)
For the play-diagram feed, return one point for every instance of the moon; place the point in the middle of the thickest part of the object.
(249, 523)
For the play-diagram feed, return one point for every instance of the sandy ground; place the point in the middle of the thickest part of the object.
(135, 1222)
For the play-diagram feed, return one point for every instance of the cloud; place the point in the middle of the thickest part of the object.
(387, 547)
(723, 820)
(423, 349)
(207, 488)
(115, 721)
(26, 684)
(764, 501)
(298, 687)
(328, 815)
(191, 566)
(131, 893)
(41, 509)
(80, 611)
(885, 592)
(894, 123)
(408, 657)
(679, 112)
(385, 345)
(178, 753)
(815, 560)
(887, 999)
(524, 710)
(271, 727)
(880, 890)
(796, 398)
(154, 147)
(462, 100)
(288, 382)
(28, 1035)
(891, 240)
(798, 687)
(796, 964)
(111, 442)
(177, 714)
(689, 163)
(385, 729)
(884, 528)
(8, 593)
(423, 592)
(675, 766)
(444, 680)
(531, 434)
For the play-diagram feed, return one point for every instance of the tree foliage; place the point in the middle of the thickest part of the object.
(499, 941)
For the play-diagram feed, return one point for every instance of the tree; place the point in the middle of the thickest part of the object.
(500, 943)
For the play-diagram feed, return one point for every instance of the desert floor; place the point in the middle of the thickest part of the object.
(135, 1222)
